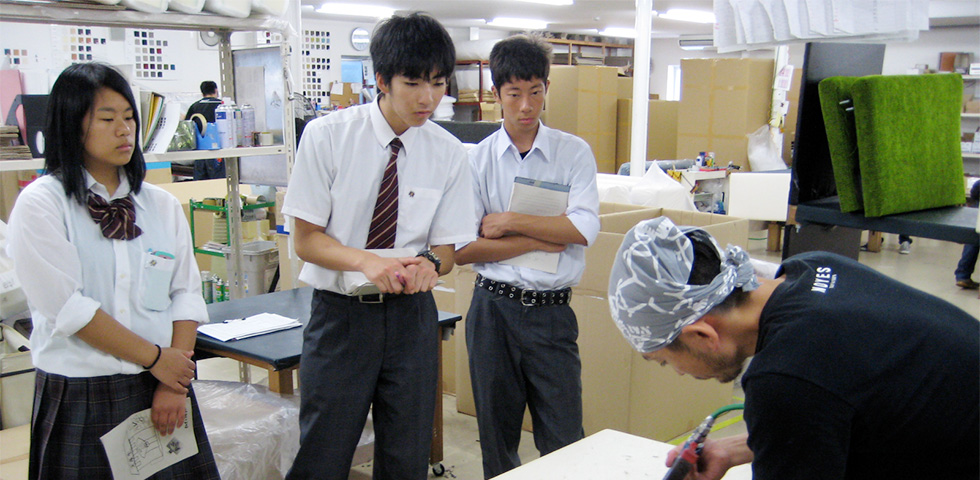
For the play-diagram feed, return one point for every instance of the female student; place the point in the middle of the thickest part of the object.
(106, 263)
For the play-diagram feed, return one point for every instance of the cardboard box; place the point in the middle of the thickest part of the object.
(445, 297)
(605, 362)
(624, 88)
(15, 444)
(619, 389)
(490, 112)
(615, 224)
(582, 101)
(661, 130)
(971, 106)
(722, 100)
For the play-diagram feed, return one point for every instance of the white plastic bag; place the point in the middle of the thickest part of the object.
(765, 150)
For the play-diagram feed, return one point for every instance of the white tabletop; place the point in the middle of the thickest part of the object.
(604, 455)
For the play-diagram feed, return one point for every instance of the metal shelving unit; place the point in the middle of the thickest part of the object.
(72, 13)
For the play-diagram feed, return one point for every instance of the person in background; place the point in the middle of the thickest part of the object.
(968, 260)
(211, 167)
(106, 263)
(521, 331)
(904, 244)
(370, 178)
(854, 375)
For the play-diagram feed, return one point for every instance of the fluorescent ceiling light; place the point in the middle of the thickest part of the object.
(685, 15)
(549, 2)
(619, 32)
(522, 23)
(356, 10)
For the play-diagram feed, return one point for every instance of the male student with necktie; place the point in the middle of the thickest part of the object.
(378, 176)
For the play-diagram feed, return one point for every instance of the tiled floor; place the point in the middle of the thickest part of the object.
(929, 267)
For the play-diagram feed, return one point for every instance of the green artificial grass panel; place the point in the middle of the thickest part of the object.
(908, 136)
(838, 117)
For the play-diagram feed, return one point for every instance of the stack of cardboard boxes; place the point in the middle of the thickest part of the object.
(582, 101)
(722, 100)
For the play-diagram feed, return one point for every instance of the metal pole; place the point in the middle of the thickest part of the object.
(641, 88)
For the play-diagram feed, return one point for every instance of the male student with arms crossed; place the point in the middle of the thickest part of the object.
(521, 333)
(378, 176)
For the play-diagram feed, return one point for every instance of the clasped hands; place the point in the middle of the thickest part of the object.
(406, 275)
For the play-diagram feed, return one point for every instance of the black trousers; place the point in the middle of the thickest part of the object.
(523, 356)
(358, 355)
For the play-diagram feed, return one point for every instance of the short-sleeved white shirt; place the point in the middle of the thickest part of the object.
(69, 270)
(335, 181)
(556, 157)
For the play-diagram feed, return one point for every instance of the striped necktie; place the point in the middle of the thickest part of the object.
(385, 218)
(116, 219)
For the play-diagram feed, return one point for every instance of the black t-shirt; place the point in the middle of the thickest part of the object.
(205, 106)
(858, 376)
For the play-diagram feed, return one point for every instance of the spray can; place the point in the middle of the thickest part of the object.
(207, 286)
(248, 125)
(239, 126)
(224, 117)
(215, 289)
(224, 291)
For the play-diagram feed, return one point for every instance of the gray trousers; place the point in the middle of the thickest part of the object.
(356, 355)
(523, 356)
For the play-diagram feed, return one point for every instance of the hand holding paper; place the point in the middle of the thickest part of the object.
(534, 197)
(136, 450)
(383, 273)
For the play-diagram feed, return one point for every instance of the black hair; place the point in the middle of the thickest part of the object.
(707, 266)
(208, 87)
(70, 100)
(416, 46)
(521, 57)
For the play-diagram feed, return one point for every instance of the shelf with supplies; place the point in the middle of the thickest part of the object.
(195, 205)
(188, 155)
(481, 96)
(75, 13)
(578, 44)
(970, 124)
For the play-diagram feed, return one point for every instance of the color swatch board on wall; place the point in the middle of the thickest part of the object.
(316, 63)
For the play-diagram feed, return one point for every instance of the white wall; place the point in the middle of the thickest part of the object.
(899, 56)
(49, 52)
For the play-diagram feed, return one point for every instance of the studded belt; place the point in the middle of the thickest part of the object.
(528, 298)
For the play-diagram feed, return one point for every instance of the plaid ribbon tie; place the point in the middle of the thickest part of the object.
(117, 218)
(385, 219)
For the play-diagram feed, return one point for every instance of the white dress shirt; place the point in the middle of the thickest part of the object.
(339, 166)
(69, 270)
(556, 157)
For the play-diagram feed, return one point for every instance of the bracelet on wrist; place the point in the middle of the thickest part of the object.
(155, 360)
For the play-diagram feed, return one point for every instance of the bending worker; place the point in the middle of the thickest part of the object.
(854, 375)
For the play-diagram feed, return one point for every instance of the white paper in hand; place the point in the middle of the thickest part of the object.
(534, 197)
(136, 450)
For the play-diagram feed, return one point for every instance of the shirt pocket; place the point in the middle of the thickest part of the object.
(418, 207)
(157, 271)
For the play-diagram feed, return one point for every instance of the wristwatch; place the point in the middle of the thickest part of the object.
(432, 257)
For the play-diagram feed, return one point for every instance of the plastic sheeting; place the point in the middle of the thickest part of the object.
(653, 189)
(254, 433)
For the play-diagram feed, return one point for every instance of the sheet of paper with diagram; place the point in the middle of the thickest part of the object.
(136, 450)
(546, 199)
